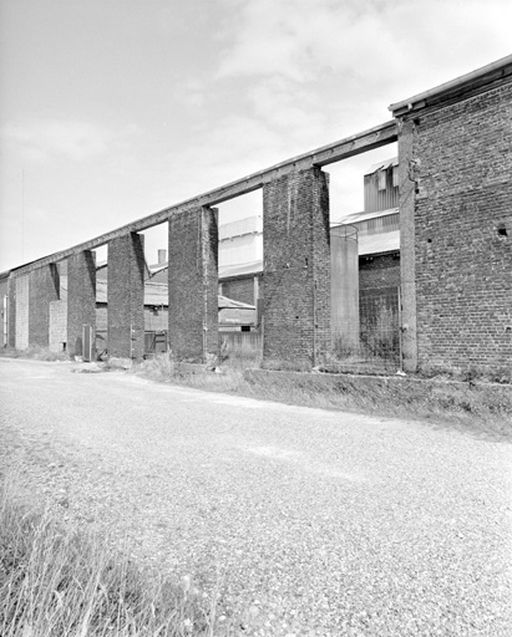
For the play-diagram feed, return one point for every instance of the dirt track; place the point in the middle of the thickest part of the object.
(314, 522)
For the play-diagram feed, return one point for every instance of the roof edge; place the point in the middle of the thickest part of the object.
(492, 72)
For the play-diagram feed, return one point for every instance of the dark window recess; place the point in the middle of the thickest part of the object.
(502, 230)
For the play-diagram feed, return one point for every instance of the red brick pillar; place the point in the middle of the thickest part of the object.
(193, 301)
(455, 155)
(407, 184)
(125, 296)
(81, 304)
(296, 277)
(11, 312)
(42, 289)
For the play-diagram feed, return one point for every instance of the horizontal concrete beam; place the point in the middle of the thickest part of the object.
(495, 72)
(342, 149)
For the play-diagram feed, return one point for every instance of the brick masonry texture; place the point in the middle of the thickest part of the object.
(463, 155)
(193, 282)
(296, 285)
(382, 271)
(125, 289)
(11, 291)
(407, 200)
(43, 289)
(239, 289)
(4, 311)
(21, 285)
(81, 305)
(58, 326)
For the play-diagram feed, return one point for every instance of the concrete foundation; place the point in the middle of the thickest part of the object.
(344, 289)
(125, 289)
(296, 281)
(193, 282)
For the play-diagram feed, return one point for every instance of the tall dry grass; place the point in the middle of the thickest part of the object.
(59, 581)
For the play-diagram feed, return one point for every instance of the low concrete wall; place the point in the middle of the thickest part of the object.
(403, 389)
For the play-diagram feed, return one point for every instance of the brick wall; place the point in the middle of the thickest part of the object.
(296, 285)
(21, 296)
(380, 271)
(125, 290)
(4, 311)
(463, 170)
(11, 318)
(193, 282)
(58, 326)
(81, 306)
(239, 289)
(152, 322)
(43, 288)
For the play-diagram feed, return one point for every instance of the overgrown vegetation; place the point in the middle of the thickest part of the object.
(476, 402)
(34, 352)
(476, 407)
(57, 580)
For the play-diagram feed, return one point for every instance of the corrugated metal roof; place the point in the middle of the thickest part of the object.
(158, 267)
(356, 217)
(228, 271)
(240, 227)
(380, 242)
(225, 302)
(382, 165)
(251, 267)
(374, 242)
(154, 293)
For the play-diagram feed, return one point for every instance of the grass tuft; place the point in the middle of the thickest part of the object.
(476, 407)
(56, 580)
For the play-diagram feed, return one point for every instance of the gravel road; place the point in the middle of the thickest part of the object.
(314, 522)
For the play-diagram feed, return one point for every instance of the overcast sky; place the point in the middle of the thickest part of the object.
(113, 109)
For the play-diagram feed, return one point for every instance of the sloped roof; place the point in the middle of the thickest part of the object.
(356, 217)
(241, 227)
(240, 269)
(154, 293)
(382, 165)
(381, 242)
(225, 302)
(378, 242)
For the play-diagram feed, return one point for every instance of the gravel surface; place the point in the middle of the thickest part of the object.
(311, 522)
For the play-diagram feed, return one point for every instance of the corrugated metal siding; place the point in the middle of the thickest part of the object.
(375, 199)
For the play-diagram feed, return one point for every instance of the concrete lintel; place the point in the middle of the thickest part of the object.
(348, 147)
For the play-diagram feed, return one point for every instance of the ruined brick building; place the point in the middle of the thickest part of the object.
(454, 180)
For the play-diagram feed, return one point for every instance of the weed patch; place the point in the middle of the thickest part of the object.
(56, 580)
(476, 407)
